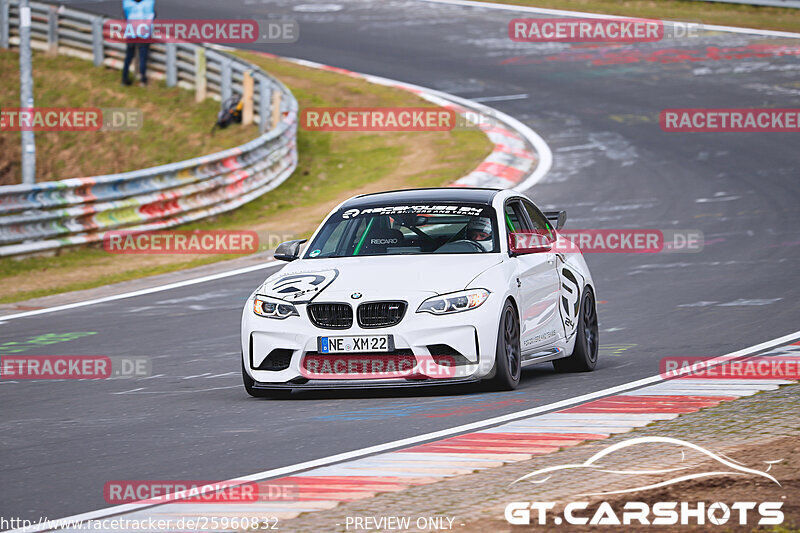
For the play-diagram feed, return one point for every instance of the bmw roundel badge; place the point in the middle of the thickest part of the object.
(355, 295)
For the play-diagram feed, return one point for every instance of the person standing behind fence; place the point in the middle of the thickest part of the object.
(139, 11)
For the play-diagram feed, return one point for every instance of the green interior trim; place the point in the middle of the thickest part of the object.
(510, 224)
(363, 237)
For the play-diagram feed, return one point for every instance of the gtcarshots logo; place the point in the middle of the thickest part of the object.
(605, 513)
(641, 513)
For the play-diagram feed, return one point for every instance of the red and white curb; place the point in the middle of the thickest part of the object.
(327, 486)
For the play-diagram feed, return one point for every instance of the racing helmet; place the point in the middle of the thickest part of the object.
(479, 229)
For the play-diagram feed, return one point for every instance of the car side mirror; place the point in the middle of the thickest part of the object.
(528, 242)
(289, 250)
(557, 218)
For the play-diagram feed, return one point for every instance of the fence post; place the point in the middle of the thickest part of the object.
(172, 65)
(247, 97)
(52, 30)
(276, 108)
(5, 24)
(98, 50)
(199, 74)
(26, 91)
(264, 98)
(225, 80)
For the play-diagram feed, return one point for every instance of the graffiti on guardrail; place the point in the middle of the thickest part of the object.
(50, 215)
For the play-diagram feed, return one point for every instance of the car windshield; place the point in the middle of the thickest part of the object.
(404, 229)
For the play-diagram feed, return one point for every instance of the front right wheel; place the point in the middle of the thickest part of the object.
(584, 355)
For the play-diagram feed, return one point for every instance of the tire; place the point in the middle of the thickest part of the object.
(260, 393)
(584, 356)
(508, 356)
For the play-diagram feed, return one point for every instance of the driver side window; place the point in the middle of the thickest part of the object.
(515, 218)
(539, 221)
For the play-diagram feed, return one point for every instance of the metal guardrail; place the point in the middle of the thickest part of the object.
(53, 214)
(773, 3)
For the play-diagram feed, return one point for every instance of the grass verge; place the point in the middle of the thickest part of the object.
(170, 115)
(332, 167)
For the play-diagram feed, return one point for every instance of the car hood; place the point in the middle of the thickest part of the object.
(376, 277)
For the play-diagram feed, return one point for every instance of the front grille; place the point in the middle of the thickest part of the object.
(331, 316)
(380, 314)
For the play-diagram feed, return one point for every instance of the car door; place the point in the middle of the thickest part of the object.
(537, 285)
(569, 283)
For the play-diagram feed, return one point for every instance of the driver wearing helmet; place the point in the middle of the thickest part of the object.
(479, 230)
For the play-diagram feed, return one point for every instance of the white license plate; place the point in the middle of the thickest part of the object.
(359, 344)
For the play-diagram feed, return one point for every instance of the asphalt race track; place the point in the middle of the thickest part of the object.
(596, 106)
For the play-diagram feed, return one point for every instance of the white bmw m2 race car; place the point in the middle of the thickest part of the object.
(421, 287)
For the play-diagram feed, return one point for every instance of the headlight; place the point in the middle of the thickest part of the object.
(273, 308)
(455, 302)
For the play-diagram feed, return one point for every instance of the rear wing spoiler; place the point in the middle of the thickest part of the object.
(556, 218)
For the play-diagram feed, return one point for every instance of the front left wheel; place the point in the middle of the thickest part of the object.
(508, 355)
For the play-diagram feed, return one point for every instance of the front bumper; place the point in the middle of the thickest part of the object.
(358, 384)
(472, 334)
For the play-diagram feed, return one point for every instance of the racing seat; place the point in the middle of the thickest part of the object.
(379, 240)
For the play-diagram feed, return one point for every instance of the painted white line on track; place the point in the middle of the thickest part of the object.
(219, 275)
(500, 98)
(331, 460)
(602, 16)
